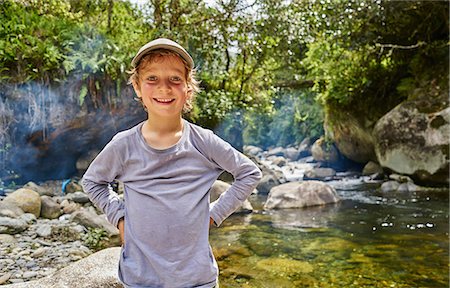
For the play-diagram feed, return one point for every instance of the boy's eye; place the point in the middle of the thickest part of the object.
(175, 79)
(151, 78)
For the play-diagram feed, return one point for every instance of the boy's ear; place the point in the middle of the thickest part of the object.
(189, 92)
(136, 88)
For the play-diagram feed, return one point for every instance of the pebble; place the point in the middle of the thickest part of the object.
(5, 277)
(36, 252)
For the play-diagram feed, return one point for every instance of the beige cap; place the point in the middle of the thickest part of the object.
(163, 43)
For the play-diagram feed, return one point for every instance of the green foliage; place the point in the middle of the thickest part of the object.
(263, 59)
(96, 239)
(295, 117)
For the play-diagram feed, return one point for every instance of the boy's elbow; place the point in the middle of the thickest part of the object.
(257, 175)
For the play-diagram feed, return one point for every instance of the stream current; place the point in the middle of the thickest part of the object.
(369, 239)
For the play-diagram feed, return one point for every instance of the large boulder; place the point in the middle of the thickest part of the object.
(300, 194)
(12, 225)
(88, 218)
(99, 270)
(413, 139)
(27, 200)
(10, 210)
(352, 137)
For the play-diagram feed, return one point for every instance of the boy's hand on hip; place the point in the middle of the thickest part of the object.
(211, 221)
(120, 226)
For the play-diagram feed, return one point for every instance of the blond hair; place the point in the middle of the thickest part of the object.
(191, 80)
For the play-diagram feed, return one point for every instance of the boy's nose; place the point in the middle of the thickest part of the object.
(164, 85)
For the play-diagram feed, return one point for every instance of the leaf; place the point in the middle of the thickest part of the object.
(83, 93)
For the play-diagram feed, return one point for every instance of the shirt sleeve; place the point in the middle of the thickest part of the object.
(246, 176)
(105, 168)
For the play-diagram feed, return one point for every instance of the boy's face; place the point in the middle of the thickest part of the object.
(162, 86)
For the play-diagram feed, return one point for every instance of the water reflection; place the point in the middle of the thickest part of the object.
(304, 218)
(369, 239)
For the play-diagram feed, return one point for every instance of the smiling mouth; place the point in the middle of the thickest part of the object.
(164, 100)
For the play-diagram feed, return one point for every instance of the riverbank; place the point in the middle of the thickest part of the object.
(371, 229)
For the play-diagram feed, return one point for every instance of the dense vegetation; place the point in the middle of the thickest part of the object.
(268, 68)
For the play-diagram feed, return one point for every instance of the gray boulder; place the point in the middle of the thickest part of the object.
(12, 225)
(99, 270)
(319, 173)
(88, 218)
(10, 210)
(266, 183)
(413, 139)
(300, 194)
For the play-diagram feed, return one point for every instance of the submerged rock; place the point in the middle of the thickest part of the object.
(284, 266)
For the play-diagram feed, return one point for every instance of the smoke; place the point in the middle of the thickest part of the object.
(44, 131)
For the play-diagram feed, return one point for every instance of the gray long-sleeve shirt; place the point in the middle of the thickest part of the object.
(166, 203)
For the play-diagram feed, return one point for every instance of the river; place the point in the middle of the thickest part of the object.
(369, 239)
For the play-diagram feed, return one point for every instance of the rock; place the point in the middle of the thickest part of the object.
(90, 219)
(279, 161)
(27, 200)
(280, 266)
(351, 135)
(78, 197)
(29, 274)
(50, 209)
(304, 148)
(219, 187)
(413, 139)
(400, 178)
(39, 252)
(72, 187)
(69, 207)
(322, 151)
(12, 225)
(408, 187)
(9, 209)
(28, 218)
(372, 168)
(44, 230)
(266, 183)
(252, 150)
(291, 153)
(5, 277)
(39, 189)
(277, 151)
(6, 238)
(98, 270)
(300, 194)
(319, 173)
(389, 186)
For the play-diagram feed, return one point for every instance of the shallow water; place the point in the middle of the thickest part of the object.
(367, 240)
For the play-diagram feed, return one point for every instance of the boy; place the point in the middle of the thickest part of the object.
(167, 166)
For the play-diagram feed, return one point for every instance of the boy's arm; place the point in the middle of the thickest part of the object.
(103, 170)
(246, 176)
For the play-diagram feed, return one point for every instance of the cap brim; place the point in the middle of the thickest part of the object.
(163, 43)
